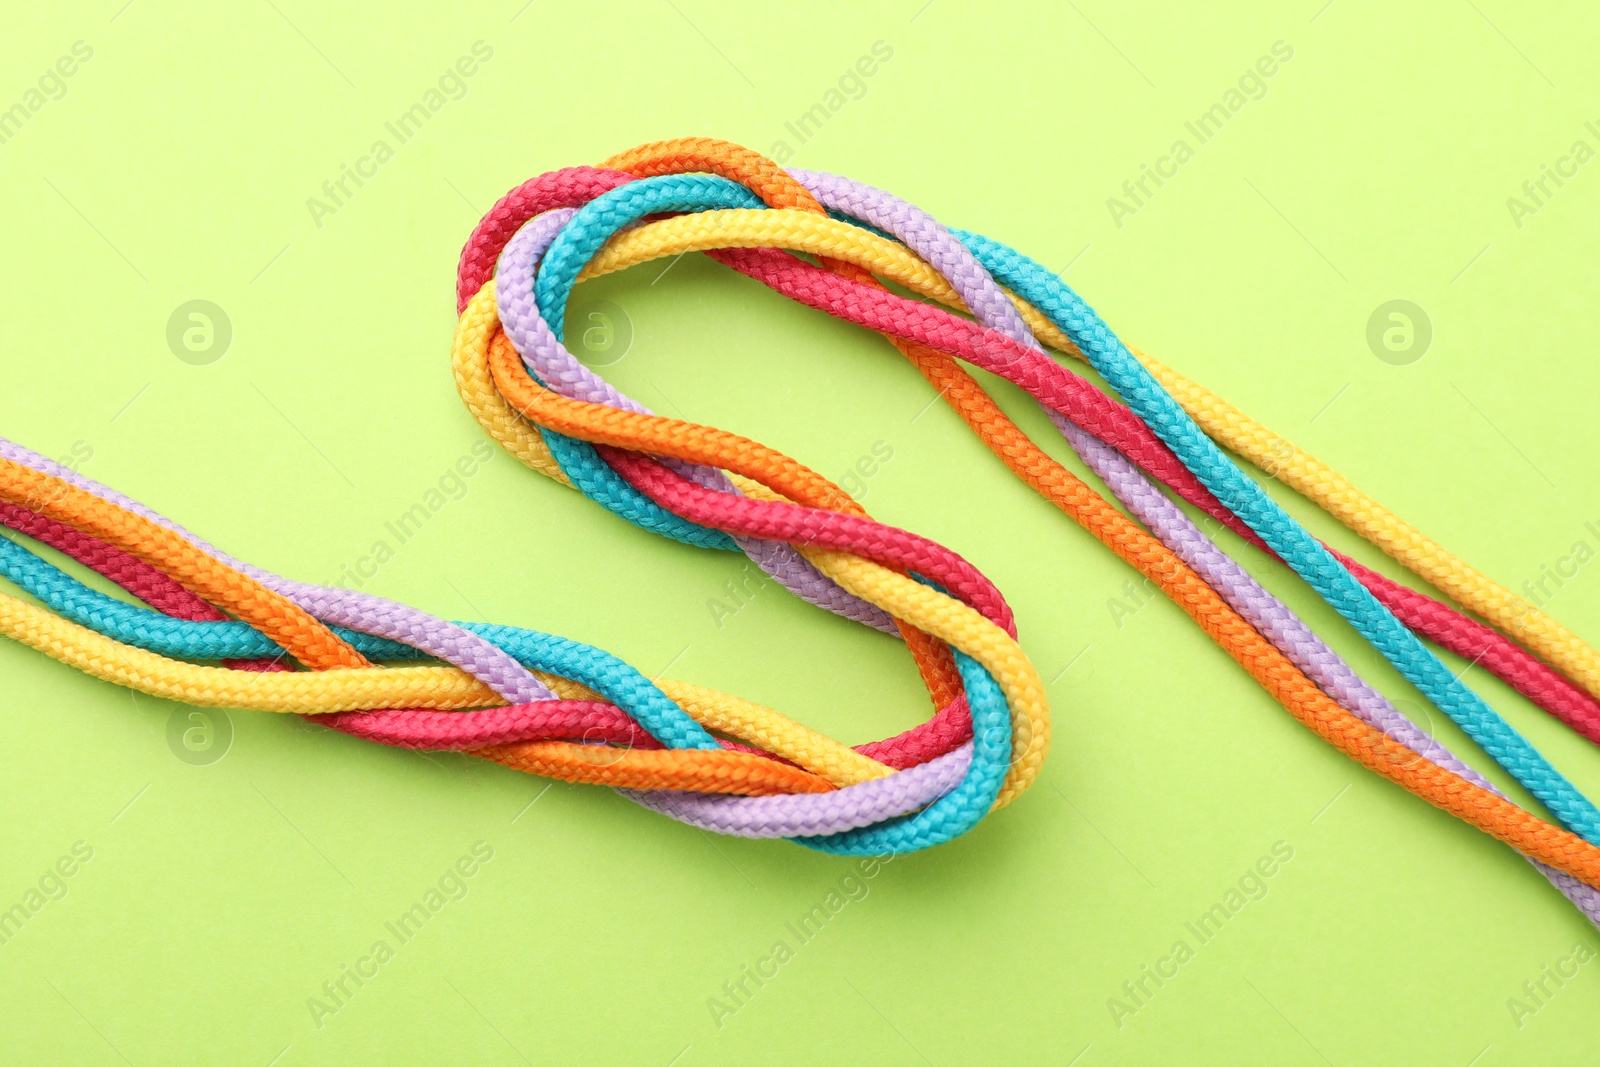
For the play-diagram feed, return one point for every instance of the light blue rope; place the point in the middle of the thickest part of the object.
(602, 217)
(154, 632)
(1313, 562)
(594, 224)
(950, 816)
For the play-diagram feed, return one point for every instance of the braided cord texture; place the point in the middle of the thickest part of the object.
(551, 707)
(833, 239)
(696, 231)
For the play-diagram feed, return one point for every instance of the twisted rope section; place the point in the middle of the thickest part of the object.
(548, 706)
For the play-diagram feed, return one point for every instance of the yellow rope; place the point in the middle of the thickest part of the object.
(806, 232)
(922, 607)
(445, 687)
(366, 688)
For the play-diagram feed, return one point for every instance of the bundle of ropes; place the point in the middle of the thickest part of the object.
(211, 630)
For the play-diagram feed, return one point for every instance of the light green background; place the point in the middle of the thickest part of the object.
(219, 898)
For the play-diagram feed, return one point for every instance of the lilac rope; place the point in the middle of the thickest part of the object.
(1278, 624)
(825, 813)
(1273, 619)
(341, 607)
(932, 241)
(561, 371)
(853, 806)
(905, 791)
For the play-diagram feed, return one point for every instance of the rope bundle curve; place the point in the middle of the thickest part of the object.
(213, 630)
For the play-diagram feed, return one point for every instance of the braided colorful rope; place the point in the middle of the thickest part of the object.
(554, 707)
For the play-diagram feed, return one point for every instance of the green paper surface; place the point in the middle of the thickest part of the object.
(227, 870)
